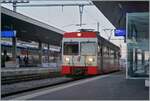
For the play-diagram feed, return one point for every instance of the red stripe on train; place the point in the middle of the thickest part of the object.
(92, 70)
(80, 35)
(65, 70)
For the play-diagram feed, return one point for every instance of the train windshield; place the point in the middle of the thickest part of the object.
(88, 48)
(71, 48)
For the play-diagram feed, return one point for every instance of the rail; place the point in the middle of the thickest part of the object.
(28, 77)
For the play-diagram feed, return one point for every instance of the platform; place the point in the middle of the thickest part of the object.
(113, 87)
(104, 87)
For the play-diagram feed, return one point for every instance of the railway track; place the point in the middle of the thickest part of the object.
(27, 77)
(67, 80)
(36, 88)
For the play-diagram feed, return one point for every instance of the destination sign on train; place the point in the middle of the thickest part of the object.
(120, 32)
(8, 34)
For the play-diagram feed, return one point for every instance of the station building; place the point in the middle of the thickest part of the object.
(39, 42)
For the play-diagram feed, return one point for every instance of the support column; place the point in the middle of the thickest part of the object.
(40, 53)
(14, 48)
(130, 62)
(48, 52)
(143, 57)
(143, 61)
(14, 6)
(136, 59)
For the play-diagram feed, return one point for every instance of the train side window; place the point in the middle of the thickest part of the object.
(117, 55)
(112, 53)
(105, 51)
(99, 50)
(108, 51)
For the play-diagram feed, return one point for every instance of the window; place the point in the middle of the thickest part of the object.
(71, 48)
(88, 48)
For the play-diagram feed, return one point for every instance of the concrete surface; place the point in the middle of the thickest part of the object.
(112, 87)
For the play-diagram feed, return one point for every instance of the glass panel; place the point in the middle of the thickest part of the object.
(88, 48)
(71, 48)
(137, 44)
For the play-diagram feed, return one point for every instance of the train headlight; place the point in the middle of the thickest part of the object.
(90, 59)
(67, 59)
(79, 34)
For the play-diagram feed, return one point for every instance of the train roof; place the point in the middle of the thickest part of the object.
(107, 43)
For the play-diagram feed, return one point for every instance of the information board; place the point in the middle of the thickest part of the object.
(120, 32)
(8, 34)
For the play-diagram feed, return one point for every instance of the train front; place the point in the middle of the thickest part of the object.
(79, 54)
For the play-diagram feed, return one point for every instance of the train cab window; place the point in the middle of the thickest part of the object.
(88, 48)
(71, 48)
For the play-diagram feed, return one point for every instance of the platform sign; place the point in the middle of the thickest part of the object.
(8, 34)
(120, 32)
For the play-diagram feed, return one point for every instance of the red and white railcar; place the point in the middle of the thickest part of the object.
(86, 53)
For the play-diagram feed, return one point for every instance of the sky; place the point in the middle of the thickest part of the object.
(67, 18)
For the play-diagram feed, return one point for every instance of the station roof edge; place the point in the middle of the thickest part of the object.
(30, 20)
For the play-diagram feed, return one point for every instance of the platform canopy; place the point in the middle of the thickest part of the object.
(115, 11)
(29, 29)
